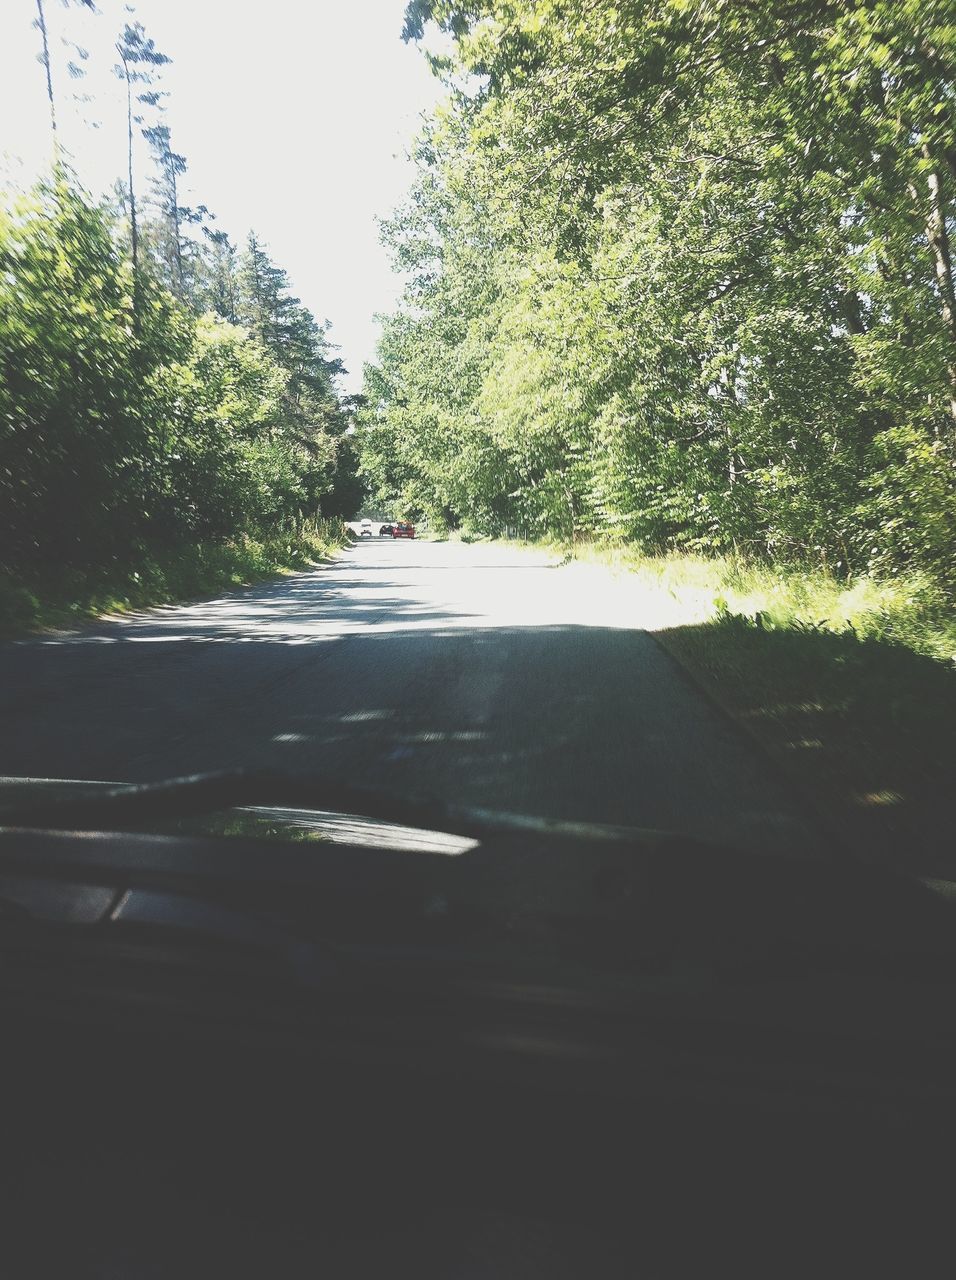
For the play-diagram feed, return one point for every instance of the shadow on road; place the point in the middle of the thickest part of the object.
(505, 690)
(570, 721)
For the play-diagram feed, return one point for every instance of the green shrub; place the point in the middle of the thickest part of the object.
(190, 571)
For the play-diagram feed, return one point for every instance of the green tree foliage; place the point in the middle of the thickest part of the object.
(680, 272)
(138, 60)
(186, 426)
(217, 286)
(76, 451)
(114, 438)
(297, 343)
(168, 233)
(155, 390)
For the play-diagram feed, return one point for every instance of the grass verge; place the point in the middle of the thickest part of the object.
(850, 686)
(60, 598)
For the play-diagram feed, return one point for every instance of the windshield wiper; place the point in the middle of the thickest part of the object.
(135, 804)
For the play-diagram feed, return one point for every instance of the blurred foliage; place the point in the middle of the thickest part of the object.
(57, 595)
(169, 416)
(123, 444)
(682, 589)
(678, 274)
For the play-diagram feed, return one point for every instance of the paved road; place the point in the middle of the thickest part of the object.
(480, 673)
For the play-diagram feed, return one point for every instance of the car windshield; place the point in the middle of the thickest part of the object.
(569, 430)
(477, 639)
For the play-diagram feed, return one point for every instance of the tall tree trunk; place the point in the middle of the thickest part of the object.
(177, 243)
(134, 230)
(257, 289)
(937, 238)
(852, 310)
(41, 23)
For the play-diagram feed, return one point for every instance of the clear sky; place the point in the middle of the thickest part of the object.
(295, 117)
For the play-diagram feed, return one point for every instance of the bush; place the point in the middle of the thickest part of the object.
(126, 437)
(190, 571)
(19, 608)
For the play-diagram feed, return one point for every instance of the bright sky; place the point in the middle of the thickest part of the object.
(295, 117)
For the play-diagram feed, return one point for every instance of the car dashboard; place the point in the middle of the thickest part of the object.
(544, 1055)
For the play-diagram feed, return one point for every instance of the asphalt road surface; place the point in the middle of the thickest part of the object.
(478, 673)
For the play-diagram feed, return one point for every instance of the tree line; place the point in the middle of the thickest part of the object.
(679, 272)
(159, 385)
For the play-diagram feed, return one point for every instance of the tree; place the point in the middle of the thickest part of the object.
(44, 57)
(170, 167)
(45, 60)
(290, 333)
(138, 59)
(121, 441)
(682, 272)
(217, 287)
(81, 448)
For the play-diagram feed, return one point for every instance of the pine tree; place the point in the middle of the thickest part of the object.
(170, 167)
(260, 282)
(138, 59)
(298, 344)
(44, 58)
(217, 285)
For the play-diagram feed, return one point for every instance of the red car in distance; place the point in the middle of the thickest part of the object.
(403, 530)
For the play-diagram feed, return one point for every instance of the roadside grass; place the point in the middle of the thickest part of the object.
(849, 685)
(865, 727)
(912, 612)
(60, 598)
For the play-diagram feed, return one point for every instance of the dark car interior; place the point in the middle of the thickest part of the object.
(258, 1057)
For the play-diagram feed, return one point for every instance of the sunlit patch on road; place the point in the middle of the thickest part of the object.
(442, 589)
